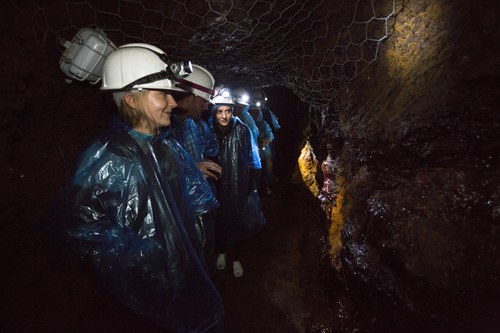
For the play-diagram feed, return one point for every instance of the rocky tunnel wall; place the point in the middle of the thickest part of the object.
(402, 118)
(412, 155)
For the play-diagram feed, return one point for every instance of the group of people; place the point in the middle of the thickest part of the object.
(161, 200)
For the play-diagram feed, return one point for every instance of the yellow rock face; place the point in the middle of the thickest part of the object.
(308, 166)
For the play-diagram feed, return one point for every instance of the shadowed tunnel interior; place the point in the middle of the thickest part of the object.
(386, 217)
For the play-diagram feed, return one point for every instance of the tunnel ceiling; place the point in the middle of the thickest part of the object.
(316, 48)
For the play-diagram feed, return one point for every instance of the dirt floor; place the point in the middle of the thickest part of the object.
(281, 290)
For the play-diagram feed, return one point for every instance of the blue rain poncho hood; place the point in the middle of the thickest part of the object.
(128, 211)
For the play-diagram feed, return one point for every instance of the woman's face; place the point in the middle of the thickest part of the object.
(159, 107)
(223, 115)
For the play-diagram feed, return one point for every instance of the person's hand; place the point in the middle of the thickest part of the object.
(210, 169)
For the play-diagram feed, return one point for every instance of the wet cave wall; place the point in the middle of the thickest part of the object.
(412, 173)
(406, 155)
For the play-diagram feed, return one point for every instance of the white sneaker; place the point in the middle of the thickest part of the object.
(237, 269)
(221, 261)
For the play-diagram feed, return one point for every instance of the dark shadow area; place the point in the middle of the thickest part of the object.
(292, 114)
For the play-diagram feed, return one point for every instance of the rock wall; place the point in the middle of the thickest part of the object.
(415, 158)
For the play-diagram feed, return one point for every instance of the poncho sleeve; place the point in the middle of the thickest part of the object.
(200, 193)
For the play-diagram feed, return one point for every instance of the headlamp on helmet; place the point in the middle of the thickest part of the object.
(172, 71)
(223, 97)
(259, 97)
(241, 96)
(142, 66)
(199, 83)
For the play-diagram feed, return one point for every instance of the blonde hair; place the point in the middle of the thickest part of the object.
(136, 117)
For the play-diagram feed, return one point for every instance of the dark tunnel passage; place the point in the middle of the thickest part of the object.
(385, 215)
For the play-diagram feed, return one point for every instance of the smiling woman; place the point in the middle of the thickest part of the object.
(157, 107)
(129, 210)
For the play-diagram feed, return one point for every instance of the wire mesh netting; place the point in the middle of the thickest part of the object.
(315, 48)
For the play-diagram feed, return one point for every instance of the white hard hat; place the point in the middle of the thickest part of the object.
(137, 66)
(241, 96)
(223, 97)
(200, 83)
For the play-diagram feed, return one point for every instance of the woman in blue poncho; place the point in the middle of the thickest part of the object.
(239, 215)
(129, 209)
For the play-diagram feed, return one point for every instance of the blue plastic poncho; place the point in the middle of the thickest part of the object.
(239, 215)
(189, 136)
(210, 144)
(270, 118)
(247, 119)
(265, 131)
(266, 136)
(127, 212)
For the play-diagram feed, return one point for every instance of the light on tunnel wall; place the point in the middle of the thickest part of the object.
(415, 40)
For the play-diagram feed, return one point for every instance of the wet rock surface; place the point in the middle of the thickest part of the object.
(417, 150)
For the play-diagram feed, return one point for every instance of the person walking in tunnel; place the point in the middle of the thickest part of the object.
(239, 216)
(264, 141)
(128, 210)
(260, 99)
(240, 110)
(191, 132)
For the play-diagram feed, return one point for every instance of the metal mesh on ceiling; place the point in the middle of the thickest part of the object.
(316, 48)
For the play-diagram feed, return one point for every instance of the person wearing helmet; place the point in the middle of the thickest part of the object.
(242, 105)
(198, 141)
(128, 210)
(264, 140)
(260, 101)
(239, 216)
(195, 136)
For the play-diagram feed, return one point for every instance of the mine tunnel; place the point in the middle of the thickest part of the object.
(386, 213)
